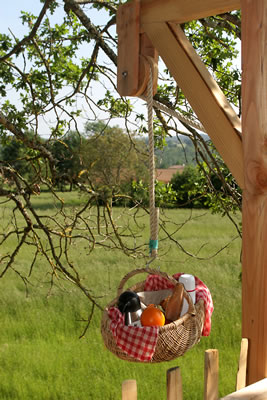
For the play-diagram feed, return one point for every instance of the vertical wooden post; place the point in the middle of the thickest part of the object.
(129, 390)
(128, 48)
(254, 132)
(174, 384)
(211, 375)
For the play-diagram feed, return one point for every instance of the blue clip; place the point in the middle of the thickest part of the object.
(153, 245)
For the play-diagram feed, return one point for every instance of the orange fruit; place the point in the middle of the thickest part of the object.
(152, 316)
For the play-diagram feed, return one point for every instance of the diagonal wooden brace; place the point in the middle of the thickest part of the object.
(208, 101)
(133, 49)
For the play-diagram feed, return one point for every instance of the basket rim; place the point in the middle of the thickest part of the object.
(146, 270)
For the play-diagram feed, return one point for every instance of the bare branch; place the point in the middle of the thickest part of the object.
(73, 6)
(19, 46)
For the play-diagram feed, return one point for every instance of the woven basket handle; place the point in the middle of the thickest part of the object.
(191, 307)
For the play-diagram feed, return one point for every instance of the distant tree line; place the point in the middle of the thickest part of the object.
(116, 165)
(102, 156)
(176, 151)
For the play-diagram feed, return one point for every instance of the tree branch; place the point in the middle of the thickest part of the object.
(76, 9)
(18, 47)
(98, 2)
(33, 144)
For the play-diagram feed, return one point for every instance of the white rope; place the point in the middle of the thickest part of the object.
(154, 211)
(176, 114)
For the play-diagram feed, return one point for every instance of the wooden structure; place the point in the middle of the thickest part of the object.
(256, 391)
(148, 27)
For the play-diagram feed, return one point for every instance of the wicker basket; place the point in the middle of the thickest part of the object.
(174, 339)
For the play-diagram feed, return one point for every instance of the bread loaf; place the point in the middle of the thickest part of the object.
(174, 305)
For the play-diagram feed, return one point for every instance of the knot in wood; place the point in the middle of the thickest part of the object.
(256, 182)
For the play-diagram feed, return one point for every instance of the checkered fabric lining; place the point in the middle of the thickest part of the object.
(137, 342)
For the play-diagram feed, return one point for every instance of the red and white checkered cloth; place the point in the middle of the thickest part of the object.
(137, 342)
(140, 342)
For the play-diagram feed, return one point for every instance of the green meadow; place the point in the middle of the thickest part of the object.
(42, 356)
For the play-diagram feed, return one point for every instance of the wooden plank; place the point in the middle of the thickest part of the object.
(128, 48)
(183, 10)
(129, 390)
(242, 365)
(254, 248)
(219, 119)
(256, 391)
(133, 49)
(211, 375)
(174, 384)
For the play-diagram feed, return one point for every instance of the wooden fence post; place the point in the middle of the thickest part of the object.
(129, 390)
(211, 375)
(242, 366)
(174, 384)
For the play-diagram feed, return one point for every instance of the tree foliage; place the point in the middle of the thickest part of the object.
(55, 81)
(124, 159)
(175, 152)
(198, 187)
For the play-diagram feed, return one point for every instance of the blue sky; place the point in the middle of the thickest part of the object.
(10, 14)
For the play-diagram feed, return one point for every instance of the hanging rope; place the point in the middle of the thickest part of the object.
(154, 211)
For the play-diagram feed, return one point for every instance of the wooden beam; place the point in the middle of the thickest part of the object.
(254, 248)
(211, 375)
(209, 103)
(134, 48)
(256, 391)
(183, 10)
(128, 19)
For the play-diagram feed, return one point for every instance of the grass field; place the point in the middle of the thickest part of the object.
(41, 355)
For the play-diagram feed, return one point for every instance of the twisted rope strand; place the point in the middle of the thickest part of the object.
(154, 212)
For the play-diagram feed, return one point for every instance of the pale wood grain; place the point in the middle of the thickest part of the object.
(183, 10)
(256, 391)
(242, 365)
(254, 130)
(174, 384)
(128, 20)
(211, 375)
(129, 390)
